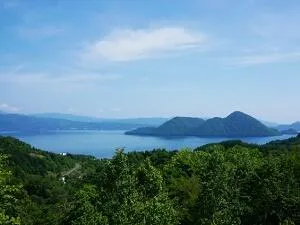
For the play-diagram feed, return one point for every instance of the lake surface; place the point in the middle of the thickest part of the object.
(102, 144)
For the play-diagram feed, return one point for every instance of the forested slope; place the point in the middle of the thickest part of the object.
(237, 124)
(226, 183)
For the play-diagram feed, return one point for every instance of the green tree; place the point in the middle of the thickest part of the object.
(84, 211)
(7, 196)
(136, 195)
(125, 195)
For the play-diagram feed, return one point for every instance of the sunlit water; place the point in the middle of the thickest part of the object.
(103, 143)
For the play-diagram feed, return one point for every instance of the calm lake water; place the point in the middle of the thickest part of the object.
(102, 144)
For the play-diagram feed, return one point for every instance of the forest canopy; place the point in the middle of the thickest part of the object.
(226, 183)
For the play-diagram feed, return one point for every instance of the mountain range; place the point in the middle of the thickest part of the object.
(237, 124)
(32, 124)
(151, 121)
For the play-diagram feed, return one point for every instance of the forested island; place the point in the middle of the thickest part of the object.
(225, 183)
(237, 124)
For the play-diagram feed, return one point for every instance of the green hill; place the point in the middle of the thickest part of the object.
(178, 126)
(25, 159)
(47, 181)
(237, 124)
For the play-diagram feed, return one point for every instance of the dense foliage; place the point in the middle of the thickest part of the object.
(7, 199)
(237, 124)
(44, 198)
(227, 183)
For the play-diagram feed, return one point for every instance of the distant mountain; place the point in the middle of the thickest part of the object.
(31, 124)
(269, 124)
(67, 117)
(152, 121)
(294, 126)
(289, 131)
(237, 124)
(178, 126)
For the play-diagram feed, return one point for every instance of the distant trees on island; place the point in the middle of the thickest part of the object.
(237, 124)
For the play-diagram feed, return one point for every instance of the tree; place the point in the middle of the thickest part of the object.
(124, 195)
(7, 199)
(84, 211)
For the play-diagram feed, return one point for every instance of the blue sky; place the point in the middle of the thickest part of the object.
(134, 58)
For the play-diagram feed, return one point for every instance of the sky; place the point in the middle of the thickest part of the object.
(158, 58)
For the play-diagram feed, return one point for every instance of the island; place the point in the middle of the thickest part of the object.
(237, 124)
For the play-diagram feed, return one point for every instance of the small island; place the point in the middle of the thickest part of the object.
(237, 124)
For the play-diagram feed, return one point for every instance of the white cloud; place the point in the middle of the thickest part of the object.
(39, 32)
(8, 108)
(264, 59)
(128, 44)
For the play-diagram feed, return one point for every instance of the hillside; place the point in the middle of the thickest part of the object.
(47, 180)
(31, 124)
(237, 124)
(178, 126)
(25, 159)
(231, 181)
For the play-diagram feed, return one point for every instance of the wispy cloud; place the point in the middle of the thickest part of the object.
(39, 32)
(275, 40)
(278, 27)
(263, 59)
(128, 44)
(8, 108)
(41, 78)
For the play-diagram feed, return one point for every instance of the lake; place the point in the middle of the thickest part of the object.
(102, 144)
